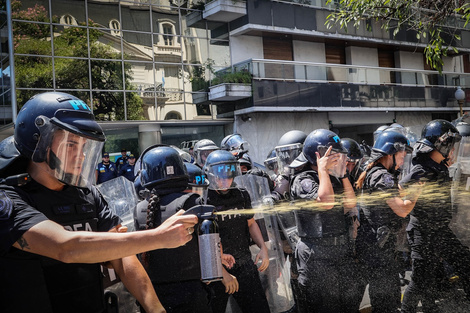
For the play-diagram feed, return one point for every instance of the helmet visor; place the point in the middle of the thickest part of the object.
(339, 170)
(286, 155)
(237, 146)
(72, 159)
(221, 175)
(271, 165)
(447, 145)
(201, 156)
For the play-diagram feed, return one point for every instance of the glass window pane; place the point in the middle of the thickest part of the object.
(33, 72)
(167, 48)
(135, 106)
(69, 12)
(219, 52)
(140, 76)
(193, 24)
(71, 73)
(135, 18)
(165, 15)
(31, 38)
(106, 75)
(108, 106)
(71, 42)
(37, 10)
(137, 46)
(102, 13)
(104, 47)
(196, 50)
(199, 77)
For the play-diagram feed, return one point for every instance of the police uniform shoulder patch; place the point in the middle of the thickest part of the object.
(307, 185)
(388, 180)
(6, 206)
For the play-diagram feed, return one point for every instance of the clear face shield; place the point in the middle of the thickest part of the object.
(448, 146)
(286, 155)
(464, 155)
(271, 165)
(238, 146)
(201, 156)
(221, 175)
(354, 166)
(72, 159)
(339, 170)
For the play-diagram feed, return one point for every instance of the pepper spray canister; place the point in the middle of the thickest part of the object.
(209, 248)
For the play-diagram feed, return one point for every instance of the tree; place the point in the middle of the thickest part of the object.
(431, 20)
(71, 73)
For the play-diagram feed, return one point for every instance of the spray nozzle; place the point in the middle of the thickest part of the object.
(201, 211)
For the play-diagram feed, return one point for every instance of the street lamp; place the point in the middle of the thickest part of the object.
(460, 96)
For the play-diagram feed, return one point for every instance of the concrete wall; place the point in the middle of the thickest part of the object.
(246, 47)
(309, 52)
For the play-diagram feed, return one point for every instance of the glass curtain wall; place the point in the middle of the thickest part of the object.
(129, 60)
(6, 114)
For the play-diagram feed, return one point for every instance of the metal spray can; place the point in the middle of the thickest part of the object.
(209, 249)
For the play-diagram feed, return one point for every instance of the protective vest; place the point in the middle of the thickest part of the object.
(56, 286)
(380, 214)
(179, 264)
(313, 224)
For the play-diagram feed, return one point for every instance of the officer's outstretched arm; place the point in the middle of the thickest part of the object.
(50, 239)
(136, 280)
(257, 237)
(349, 196)
(403, 206)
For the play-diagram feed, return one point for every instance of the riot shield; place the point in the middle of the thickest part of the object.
(460, 223)
(122, 198)
(276, 278)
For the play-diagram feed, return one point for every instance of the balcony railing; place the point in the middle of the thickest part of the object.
(287, 83)
(349, 74)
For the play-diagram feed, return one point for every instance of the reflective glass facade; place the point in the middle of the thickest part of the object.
(128, 60)
(5, 73)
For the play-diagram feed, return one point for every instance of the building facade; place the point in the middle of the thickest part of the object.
(150, 70)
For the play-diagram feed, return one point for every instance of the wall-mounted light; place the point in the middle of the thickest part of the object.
(245, 118)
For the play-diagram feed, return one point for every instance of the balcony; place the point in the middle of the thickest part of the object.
(229, 92)
(330, 86)
(224, 10)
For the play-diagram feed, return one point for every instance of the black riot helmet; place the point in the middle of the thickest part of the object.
(220, 169)
(291, 137)
(440, 135)
(45, 129)
(235, 144)
(202, 149)
(354, 149)
(197, 178)
(161, 168)
(245, 163)
(319, 141)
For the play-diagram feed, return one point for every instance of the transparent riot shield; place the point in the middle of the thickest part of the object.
(276, 278)
(122, 199)
(460, 223)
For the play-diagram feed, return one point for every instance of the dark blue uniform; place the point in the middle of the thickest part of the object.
(175, 273)
(120, 162)
(235, 238)
(376, 241)
(49, 285)
(322, 258)
(127, 171)
(430, 236)
(106, 172)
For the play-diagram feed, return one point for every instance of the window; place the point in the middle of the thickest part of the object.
(115, 28)
(168, 33)
(68, 19)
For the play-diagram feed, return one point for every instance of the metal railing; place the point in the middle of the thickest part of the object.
(349, 74)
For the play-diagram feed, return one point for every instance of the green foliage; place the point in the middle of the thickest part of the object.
(71, 73)
(242, 77)
(427, 18)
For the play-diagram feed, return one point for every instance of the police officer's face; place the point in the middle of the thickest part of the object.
(223, 183)
(400, 159)
(69, 150)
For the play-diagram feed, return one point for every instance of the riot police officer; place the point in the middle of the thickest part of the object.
(384, 211)
(430, 237)
(235, 232)
(322, 249)
(202, 149)
(55, 229)
(175, 273)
